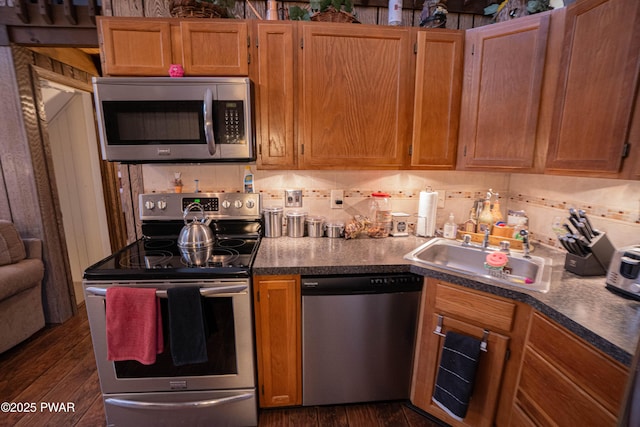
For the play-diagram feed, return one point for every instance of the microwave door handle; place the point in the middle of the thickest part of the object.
(207, 110)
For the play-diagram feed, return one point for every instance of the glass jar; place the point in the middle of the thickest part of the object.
(380, 215)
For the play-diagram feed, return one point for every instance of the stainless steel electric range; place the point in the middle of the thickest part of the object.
(220, 391)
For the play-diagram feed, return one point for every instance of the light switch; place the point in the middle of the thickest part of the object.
(293, 198)
(337, 199)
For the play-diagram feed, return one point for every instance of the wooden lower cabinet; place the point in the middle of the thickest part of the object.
(566, 382)
(278, 340)
(470, 312)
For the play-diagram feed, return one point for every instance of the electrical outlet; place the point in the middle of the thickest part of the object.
(293, 198)
(441, 196)
(337, 199)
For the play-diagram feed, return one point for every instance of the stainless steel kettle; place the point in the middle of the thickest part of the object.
(195, 234)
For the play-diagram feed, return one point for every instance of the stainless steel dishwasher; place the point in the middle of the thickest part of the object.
(358, 337)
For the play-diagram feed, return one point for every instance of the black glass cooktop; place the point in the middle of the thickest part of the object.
(158, 256)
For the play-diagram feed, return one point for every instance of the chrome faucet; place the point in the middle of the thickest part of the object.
(504, 247)
(525, 243)
(485, 240)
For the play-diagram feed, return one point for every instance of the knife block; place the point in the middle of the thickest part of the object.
(594, 264)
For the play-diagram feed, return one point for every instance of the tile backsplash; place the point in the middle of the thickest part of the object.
(612, 205)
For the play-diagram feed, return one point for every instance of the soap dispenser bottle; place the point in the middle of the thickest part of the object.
(248, 180)
(450, 228)
(485, 220)
(496, 213)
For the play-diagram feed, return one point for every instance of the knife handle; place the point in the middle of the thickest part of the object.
(582, 228)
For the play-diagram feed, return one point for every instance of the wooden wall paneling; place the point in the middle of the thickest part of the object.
(127, 7)
(5, 209)
(156, 8)
(107, 8)
(17, 189)
(58, 288)
(261, 8)
(132, 187)
(52, 214)
(366, 15)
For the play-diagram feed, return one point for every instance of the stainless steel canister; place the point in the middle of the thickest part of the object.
(272, 221)
(295, 223)
(334, 229)
(315, 226)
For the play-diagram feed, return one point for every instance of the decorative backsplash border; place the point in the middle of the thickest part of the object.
(630, 216)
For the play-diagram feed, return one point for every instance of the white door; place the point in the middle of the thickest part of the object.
(69, 115)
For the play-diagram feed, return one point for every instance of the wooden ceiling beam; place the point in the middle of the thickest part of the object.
(53, 36)
(56, 17)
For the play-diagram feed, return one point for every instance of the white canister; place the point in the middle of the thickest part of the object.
(399, 224)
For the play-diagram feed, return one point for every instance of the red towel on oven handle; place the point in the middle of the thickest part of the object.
(134, 324)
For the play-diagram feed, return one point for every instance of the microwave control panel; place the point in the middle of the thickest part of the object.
(229, 122)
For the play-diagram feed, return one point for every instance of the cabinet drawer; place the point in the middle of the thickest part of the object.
(551, 398)
(483, 310)
(599, 376)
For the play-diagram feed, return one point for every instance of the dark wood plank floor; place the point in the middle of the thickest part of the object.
(57, 365)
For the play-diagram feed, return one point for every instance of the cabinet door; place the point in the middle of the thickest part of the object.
(135, 47)
(275, 95)
(486, 390)
(596, 87)
(501, 93)
(436, 113)
(356, 96)
(592, 384)
(215, 48)
(278, 340)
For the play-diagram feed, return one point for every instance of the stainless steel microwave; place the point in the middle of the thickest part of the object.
(164, 119)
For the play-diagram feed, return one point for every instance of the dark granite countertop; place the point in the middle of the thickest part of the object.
(581, 304)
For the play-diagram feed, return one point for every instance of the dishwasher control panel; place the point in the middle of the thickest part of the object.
(358, 284)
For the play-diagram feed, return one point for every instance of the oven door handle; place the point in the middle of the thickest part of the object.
(205, 292)
(177, 405)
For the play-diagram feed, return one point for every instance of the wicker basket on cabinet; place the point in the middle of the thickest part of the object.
(196, 9)
(331, 14)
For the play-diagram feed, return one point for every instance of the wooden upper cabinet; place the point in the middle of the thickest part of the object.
(217, 49)
(504, 65)
(148, 46)
(133, 46)
(436, 111)
(356, 89)
(274, 83)
(596, 88)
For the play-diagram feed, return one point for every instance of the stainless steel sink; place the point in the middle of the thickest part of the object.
(532, 273)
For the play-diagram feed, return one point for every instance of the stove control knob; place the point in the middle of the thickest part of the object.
(226, 204)
(162, 205)
(149, 204)
(250, 204)
(237, 204)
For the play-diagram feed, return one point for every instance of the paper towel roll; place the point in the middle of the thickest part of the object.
(427, 208)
